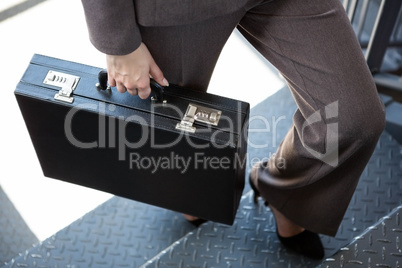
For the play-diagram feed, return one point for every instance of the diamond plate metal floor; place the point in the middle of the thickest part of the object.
(378, 246)
(119, 233)
(124, 233)
(15, 235)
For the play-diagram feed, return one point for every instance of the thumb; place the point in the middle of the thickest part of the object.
(157, 75)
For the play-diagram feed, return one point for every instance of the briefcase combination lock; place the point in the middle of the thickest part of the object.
(67, 82)
(198, 113)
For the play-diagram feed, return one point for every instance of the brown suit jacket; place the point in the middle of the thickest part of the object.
(114, 25)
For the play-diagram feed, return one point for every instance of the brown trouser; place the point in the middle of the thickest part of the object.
(339, 119)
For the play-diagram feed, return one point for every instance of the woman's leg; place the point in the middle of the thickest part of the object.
(339, 118)
(187, 54)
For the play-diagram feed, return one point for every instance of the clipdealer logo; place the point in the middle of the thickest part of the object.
(331, 154)
(112, 132)
(116, 137)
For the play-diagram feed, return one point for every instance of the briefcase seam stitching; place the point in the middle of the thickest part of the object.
(122, 107)
(204, 101)
(33, 61)
(85, 65)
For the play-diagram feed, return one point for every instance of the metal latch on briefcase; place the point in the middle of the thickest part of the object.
(67, 82)
(198, 113)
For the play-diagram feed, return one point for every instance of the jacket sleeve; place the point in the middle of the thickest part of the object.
(112, 25)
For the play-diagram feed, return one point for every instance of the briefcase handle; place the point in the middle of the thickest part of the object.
(156, 88)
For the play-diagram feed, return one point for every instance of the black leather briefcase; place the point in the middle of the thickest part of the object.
(179, 149)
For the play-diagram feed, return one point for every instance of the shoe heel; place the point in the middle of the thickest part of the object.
(256, 193)
(306, 243)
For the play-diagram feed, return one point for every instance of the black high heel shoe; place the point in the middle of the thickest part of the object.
(197, 222)
(256, 192)
(306, 243)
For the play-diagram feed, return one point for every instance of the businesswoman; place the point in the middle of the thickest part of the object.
(311, 42)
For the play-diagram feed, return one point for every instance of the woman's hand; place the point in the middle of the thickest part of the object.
(131, 72)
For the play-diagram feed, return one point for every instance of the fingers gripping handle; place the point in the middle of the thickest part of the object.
(157, 89)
